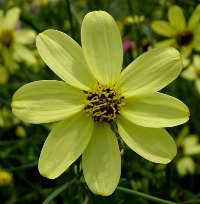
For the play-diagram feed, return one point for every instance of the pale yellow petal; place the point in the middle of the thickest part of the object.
(168, 42)
(191, 145)
(176, 18)
(197, 83)
(185, 166)
(1, 18)
(101, 161)
(25, 36)
(196, 43)
(197, 30)
(65, 144)
(151, 71)
(4, 76)
(196, 61)
(154, 144)
(65, 57)
(163, 28)
(102, 46)
(186, 51)
(194, 19)
(21, 53)
(11, 18)
(47, 101)
(155, 110)
(189, 73)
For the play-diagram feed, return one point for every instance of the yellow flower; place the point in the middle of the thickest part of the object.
(189, 144)
(193, 72)
(185, 165)
(5, 178)
(95, 92)
(12, 41)
(182, 35)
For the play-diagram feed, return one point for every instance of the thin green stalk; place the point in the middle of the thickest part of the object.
(143, 195)
(75, 15)
(58, 191)
(168, 181)
(25, 166)
(192, 201)
(107, 5)
(70, 17)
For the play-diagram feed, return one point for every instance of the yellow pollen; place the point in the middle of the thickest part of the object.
(104, 103)
(6, 37)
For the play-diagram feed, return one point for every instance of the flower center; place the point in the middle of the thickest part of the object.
(184, 38)
(6, 37)
(104, 103)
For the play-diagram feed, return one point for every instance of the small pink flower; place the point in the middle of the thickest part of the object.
(128, 45)
(18, 26)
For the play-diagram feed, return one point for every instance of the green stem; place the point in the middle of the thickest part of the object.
(32, 20)
(25, 166)
(70, 17)
(58, 191)
(168, 180)
(143, 195)
(107, 5)
(192, 202)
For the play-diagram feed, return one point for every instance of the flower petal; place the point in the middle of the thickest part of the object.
(196, 44)
(196, 61)
(25, 36)
(176, 18)
(154, 144)
(168, 42)
(1, 18)
(151, 71)
(4, 76)
(163, 28)
(197, 83)
(185, 165)
(155, 110)
(11, 18)
(21, 53)
(47, 101)
(194, 18)
(65, 57)
(102, 46)
(189, 73)
(65, 144)
(101, 161)
(186, 51)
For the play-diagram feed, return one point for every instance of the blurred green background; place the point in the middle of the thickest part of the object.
(21, 143)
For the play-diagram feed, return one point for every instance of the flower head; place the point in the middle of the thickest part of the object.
(128, 45)
(193, 72)
(182, 35)
(95, 92)
(13, 41)
(5, 178)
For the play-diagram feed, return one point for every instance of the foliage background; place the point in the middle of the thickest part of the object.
(21, 143)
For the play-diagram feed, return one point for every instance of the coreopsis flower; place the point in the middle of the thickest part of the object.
(5, 178)
(93, 93)
(185, 36)
(193, 72)
(185, 165)
(189, 146)
(12, 42)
